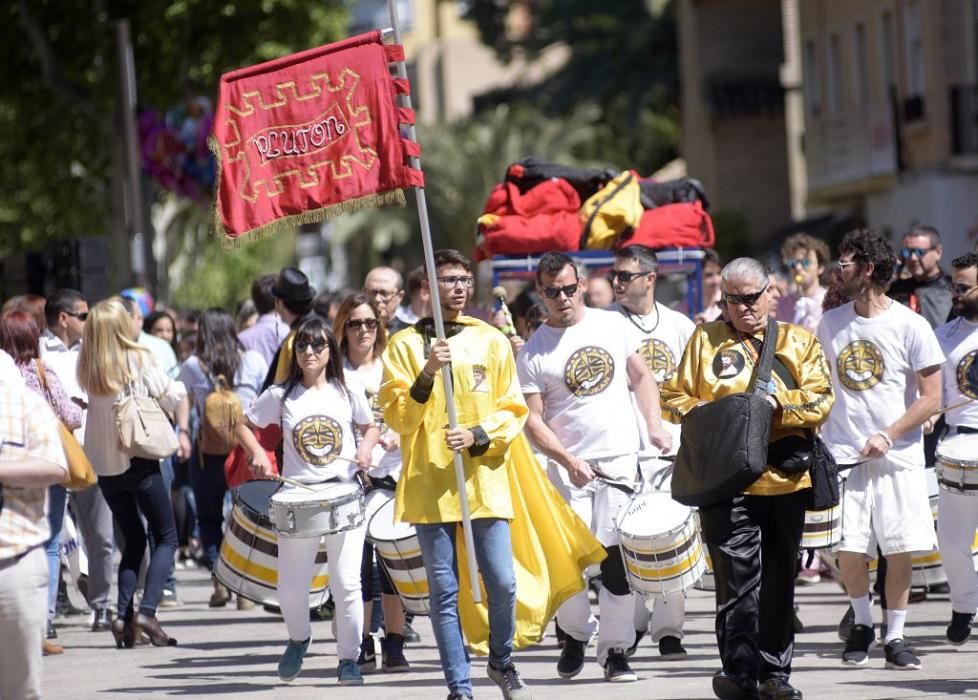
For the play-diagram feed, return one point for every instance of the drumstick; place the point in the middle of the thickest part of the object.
(353, 461)
(292, 482)
(951, 408)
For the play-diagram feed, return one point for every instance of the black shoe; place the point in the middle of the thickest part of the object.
(638, 638)
(901, 657)
(846, 623)
(367, 661)
(559, 634)
(616, 668)
(392, 653)
(571, 658)
(102, 620)
(51, 633)
(63, 606)
(861, 640)
(958, 631)
(797, 624)
(778, 689)
(726, 686)
(671, 649)
(410, 636)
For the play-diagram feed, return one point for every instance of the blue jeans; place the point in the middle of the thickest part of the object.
(57, 498)
(140, 490)
(209, 485)
(494, 555)
(166, 471)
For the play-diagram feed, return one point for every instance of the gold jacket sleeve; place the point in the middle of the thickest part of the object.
(808, 405)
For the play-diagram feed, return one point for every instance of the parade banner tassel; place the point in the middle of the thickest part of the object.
(310, 136)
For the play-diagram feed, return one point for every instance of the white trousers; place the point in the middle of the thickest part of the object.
(296, 563)
(957, 520)
(598, 504)
(23, 614)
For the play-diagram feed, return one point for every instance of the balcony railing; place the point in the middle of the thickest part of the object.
(964, 120)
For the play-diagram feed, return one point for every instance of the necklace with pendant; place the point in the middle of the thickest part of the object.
(633, 318)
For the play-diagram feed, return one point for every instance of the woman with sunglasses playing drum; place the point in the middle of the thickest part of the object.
(362, 340)
(317, 413)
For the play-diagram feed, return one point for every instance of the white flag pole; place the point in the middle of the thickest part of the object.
(446, 376)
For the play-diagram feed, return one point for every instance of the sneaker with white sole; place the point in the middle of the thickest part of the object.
(348, 673)
(861, 640)
(900, 657)
(291, 662)
(509, 681)
(616, 668)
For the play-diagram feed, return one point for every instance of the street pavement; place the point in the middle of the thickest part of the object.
(226, 653)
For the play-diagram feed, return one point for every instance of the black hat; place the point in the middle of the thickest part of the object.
(292, 285)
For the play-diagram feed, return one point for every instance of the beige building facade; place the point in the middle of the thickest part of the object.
(890, 95)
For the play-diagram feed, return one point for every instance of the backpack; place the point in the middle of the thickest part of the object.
(222, 412)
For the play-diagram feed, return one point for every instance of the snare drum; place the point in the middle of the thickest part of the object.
(957, 464)
(660, 544)
(399, 551)
(321, 509)
(248, 563)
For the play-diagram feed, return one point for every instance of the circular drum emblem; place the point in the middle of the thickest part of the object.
(965, 375)
(658, 358)
(860, 365)
(589, 371)
(317, 439)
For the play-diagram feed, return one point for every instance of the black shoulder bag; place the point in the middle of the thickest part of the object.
(724, 442)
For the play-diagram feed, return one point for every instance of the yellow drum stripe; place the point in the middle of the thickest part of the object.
(648, 574)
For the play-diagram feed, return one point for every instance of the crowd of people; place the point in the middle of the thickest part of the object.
(875, 352)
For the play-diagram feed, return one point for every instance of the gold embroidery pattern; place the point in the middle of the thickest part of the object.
(317, 439)
(589, 371)
(860, 365)
(658, 358)
(961, 375)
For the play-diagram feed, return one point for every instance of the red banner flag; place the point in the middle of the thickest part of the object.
(310, 136)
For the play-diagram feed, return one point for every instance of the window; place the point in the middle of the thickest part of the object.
(812, 79)
(836, 82)
(861, 84)
(916, 70)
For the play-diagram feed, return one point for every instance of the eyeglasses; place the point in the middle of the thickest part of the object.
(625, 277)
(554, 292)
(451, 281)
(317, 345)
(747, 299)
(803, 262)
(83, 316)
(962, 289)
(843, 264)
(919, 252)
(384, 294)
(357, 323)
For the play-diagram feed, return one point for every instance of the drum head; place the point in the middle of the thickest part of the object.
(959, 449)
(652, 513)
(382, 527)
(254, 495)
(325, 492)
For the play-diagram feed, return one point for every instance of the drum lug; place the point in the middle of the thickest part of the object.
(291, 518)
(333, 525)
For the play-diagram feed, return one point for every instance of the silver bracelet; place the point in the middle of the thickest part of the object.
(886, 438)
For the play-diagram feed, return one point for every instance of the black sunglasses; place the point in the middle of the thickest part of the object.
(554, 292)
(919, 252)
(625, 277)
(357, 323)
(83, 316)
(317, 345)
(748, 299)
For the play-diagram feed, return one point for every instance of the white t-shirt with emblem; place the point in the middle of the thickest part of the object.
(317, 425)
(959, 341)
(873, 363)
(659, 338)
(580, 373)
(386, 463)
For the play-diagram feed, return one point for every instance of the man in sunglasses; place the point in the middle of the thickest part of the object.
(957, 516)
(885, 362)
(753, 538)
(66, 311)
(805, 258)
(576, 371)
(659, 335)
(924, 287)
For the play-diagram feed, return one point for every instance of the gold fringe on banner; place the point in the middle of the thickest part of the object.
(313, 216)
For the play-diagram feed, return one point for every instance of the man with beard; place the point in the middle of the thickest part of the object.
(957, 515)
(659, 335)
(885, 363)
(575, 372)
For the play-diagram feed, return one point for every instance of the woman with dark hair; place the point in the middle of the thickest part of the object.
(20, 338)
(318, 414)
(162, 325)
(110, 365)
(362, 340)
(218, 360)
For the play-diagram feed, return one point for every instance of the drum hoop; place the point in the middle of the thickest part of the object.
(317, 500)
(673, 531)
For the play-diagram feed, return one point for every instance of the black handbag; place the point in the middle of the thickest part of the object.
(825, 477)
(724, 443)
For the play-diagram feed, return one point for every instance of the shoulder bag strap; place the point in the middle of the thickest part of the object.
(41, 375)
(767, 357)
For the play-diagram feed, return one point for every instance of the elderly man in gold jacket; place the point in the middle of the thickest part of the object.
(754, 537)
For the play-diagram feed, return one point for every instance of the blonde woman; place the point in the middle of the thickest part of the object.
(109, 364)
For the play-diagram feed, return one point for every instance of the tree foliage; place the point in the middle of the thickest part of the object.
(60, 90)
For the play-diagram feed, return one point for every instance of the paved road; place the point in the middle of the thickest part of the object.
(226, 653)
